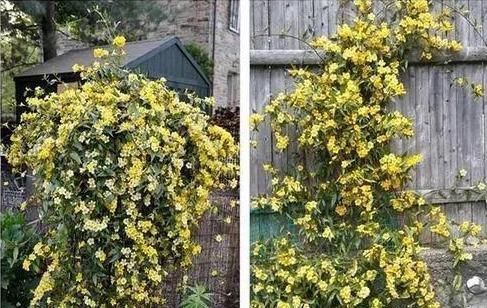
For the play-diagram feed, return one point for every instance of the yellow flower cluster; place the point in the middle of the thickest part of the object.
(125, 170)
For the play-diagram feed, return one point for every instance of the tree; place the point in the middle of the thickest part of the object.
(76, 19)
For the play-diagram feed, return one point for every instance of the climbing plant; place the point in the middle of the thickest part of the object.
(124, 170)
(346, 183)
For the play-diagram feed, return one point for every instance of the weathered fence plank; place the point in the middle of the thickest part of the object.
(320, 17)
(309, 57)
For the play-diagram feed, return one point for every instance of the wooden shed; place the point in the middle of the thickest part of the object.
(156, 58)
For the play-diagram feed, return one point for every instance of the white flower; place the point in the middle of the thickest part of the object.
(100, 255)
(481, 186)
(462, 173)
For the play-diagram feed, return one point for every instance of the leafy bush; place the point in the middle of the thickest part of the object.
(124, 169)
(197, 297)
(201, 58)
(17, 241)
(345, 179)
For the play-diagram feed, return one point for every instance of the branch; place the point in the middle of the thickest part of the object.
(456, 10)
(17, 66)
(68, 35)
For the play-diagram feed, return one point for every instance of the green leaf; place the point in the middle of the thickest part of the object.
(457, 282)
(15, 254)
(76, 157)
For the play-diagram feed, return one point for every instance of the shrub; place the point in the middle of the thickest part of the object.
(17, 241)
(124, 169)
(347, 182)
(197, 297)
(201, 57)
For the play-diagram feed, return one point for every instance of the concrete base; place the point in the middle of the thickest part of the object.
(440, 265)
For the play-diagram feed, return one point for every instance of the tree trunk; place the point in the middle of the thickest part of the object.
(48, 28)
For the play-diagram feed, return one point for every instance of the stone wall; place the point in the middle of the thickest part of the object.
(226, 55)
(440, 267)
(206, 23)
(65, 44)
(187, 19)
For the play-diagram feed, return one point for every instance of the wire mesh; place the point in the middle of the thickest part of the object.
(217, 267)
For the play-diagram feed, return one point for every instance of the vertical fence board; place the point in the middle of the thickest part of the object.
(321, 9)
(306, 22)
(259, 24)
(476, 128)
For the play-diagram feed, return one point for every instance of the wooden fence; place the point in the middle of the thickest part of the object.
(451, 128)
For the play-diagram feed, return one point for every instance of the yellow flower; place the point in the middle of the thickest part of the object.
(260, 274)
(282, 304)
(328, 233)
(282, 142)
(78, 68)
(363, 5)
(255, 120)
(26, 264)
(154, 275)
(478, 90)
(346, 294)
(341, 210)
(363, 292)
(218, 238)
(376, 303)
(119, 41)
(100, 53)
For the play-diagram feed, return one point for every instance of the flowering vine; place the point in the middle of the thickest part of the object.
(347, 183)
(124, 169)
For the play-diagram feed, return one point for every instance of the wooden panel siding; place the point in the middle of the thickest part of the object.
(451, 127)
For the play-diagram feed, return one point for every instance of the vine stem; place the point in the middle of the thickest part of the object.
(456, 10)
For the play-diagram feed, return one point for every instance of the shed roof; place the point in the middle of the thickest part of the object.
(136, 53)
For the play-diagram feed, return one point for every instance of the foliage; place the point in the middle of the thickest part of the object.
(197, 297)
(136, 18)
(17, 240)
(19, 49)
(124, 169)
(202, 58)
(81, 23)
(346, 179)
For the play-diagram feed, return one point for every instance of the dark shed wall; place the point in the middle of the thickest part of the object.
(172, 64)
(24, 87)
